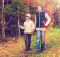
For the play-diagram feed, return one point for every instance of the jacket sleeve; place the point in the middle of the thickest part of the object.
(21, 27)
(48, 19)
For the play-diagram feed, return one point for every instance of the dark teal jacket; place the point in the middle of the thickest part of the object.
(40, 19)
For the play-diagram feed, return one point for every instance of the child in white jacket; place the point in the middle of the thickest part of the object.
(28, 31)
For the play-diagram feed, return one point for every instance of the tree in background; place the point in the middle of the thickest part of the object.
(10, 12)
(12, 15)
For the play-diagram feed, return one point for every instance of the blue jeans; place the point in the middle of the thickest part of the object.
(40, 40)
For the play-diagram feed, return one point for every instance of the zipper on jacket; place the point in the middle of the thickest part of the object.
(39, 19)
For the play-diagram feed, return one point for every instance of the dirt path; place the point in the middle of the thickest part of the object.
(11, 48)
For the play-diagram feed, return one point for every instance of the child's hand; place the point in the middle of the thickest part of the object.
(32, 30)
(46, 24)
(18, 26)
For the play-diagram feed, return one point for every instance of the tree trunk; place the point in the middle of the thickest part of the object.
(18, 22)
(3, 21)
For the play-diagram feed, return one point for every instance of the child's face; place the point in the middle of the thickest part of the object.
(27, 18)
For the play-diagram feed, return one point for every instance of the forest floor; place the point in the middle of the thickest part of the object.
(16, 48)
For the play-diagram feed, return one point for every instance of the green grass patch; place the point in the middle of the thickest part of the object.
(52, 40)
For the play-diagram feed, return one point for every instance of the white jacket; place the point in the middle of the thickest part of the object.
(28, 27)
